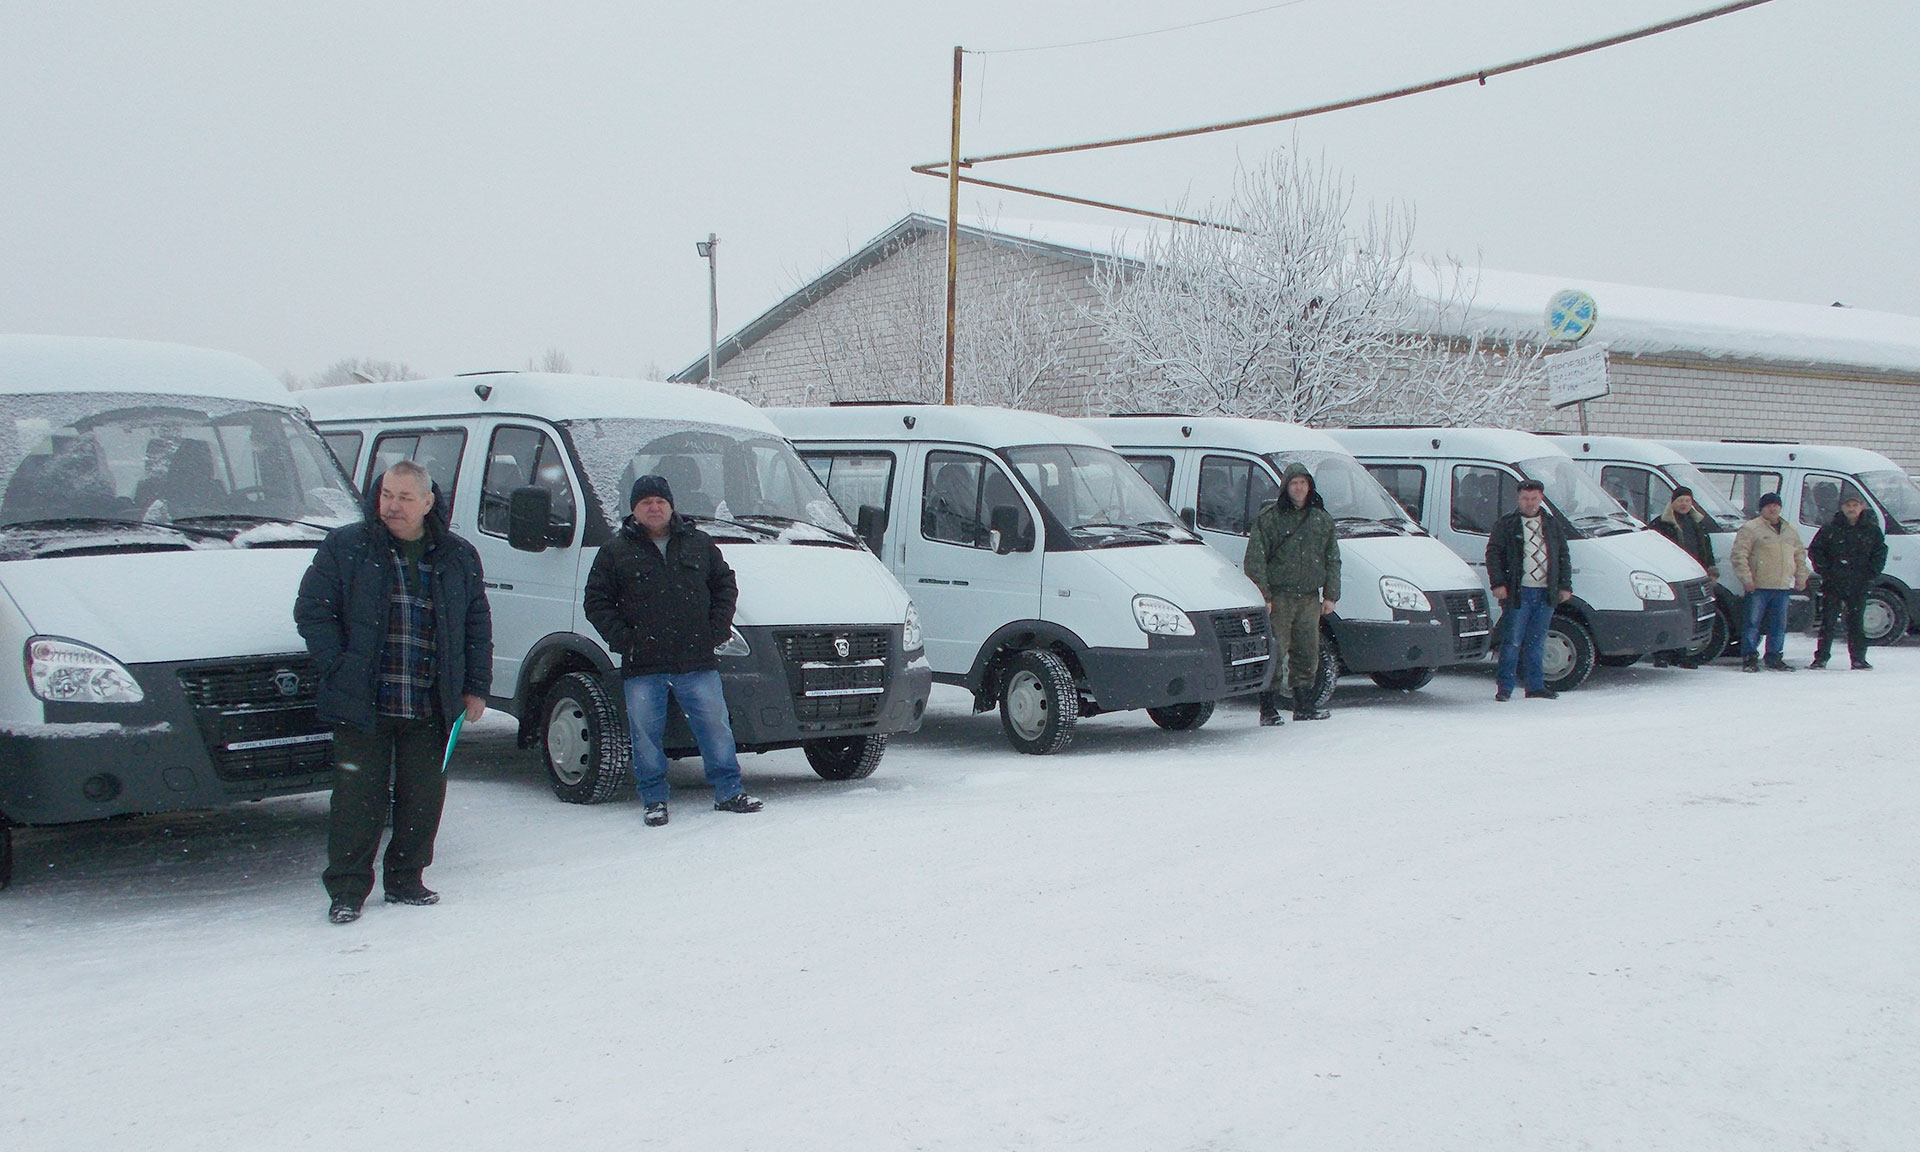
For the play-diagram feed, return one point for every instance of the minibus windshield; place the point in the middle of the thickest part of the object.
(1898, 496)
(1579, 496)
(1707, 496)
(1356, 501)
(1097, 496)
(737, 484)
(81, 470)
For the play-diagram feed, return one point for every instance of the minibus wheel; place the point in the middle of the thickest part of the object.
(1182, 717)
(1327, 677)
(1623, 660)
(1715, 645)
(585, 745)
(1569, 654)
(1885, 616)
(846, 757)
(1039, 703)
(1403, 679)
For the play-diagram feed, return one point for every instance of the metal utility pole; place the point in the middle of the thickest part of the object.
(953, 223)
(710, 250)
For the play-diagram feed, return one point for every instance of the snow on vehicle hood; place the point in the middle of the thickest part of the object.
(797, 584)
(1422, 561)
(153, 607)
(1194, 577)
(1649, 551)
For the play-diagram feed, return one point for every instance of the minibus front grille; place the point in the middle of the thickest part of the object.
(837, 677)
(258, 721)
(1698, 598)
(1246, 646)
(1472, 622)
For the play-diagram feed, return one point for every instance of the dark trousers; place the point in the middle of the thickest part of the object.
(1296, 647)
(1835, 603)
(398, 763)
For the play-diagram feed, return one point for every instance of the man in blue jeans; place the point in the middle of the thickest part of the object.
(1771, 562)
(1530, 572)
(662, 596)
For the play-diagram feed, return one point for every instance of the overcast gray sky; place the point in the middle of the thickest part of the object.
(463, 185)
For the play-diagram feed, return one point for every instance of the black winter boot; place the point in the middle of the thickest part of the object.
(1270, 709)
(1303, 706)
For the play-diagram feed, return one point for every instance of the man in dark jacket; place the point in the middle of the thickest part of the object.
(1689, 528)
(1530, 572)
(1293, 557)
(394, 611)
(662, 596)
(1848, 553)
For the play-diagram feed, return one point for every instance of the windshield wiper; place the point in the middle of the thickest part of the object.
(754, 532)
(789, 522)
(82, 522)
(253, 518)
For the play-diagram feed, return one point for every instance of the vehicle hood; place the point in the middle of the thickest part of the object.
(1194, 577)
(1648, 551)
(1421, 560)
(804, 585)
(154, 607)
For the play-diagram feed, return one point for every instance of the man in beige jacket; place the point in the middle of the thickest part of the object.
(1771, 562)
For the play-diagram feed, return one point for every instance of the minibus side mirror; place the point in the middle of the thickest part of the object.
(528, 510)
(1003, 525)
(870, 525)
(1190, 518)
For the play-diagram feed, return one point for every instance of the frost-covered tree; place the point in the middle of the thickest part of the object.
(1300, 308)
(352, 370)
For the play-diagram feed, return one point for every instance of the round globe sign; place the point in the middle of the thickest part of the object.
(1571, 314)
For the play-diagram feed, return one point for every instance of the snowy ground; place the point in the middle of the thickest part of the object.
(1672, 910)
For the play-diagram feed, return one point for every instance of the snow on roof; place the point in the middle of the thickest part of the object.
(1246, 435)
(1721, 453)
(545, 395)
(1502, 444)
(36, 364)
(984, 427)
(1629, 448)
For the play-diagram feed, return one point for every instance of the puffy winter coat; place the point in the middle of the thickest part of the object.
(342, 611)
(1507, 554)
(1767, 556)
(661, 613)
(1691, 533)
(1849, 556)
(1294, 551)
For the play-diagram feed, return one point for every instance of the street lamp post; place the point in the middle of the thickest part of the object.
(709, 250)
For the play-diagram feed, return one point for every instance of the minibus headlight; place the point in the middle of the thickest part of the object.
(911, 638)
(1402, 596)
(1160, 618)
(736, 645)
(66, 672)
(1647, 586)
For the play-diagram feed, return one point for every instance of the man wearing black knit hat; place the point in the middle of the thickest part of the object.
(662, 596)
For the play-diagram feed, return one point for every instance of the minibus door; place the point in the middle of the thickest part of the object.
(532, 594)
(970, 553)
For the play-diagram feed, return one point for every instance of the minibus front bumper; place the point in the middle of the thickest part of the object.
(799, 684)
(1230, 654)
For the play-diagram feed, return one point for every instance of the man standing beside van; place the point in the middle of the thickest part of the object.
(1848, 554)
(1771, 563)
(394, 611)
(662, 596)
(1293, 557)
(1687, 527)
(1530, 572)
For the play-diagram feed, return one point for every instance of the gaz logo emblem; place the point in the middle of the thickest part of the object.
(1246, 624)
(286, 682)
(841, 647)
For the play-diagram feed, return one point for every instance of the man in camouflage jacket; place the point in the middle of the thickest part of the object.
(1293, 556)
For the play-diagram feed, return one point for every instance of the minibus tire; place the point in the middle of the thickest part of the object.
(1718, 640)
(1182, 717)
(1894, 621)
(1039, 703)
(846, 757)
(1327, 677)
(1572, 633)
(584, 741)
(1403, 679)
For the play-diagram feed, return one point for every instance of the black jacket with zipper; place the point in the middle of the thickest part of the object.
(1849, 556)
(661, 613)
(1507, 555)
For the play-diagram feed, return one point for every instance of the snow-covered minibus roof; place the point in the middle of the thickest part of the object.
(31, 365)
(548, 396)
(1243, 434)
(991, 428)
(1830, 457)
(1633, 448)
(1501, 444)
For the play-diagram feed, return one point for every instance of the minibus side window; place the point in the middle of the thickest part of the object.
(1641, 491)
(855, 480)
(1744, 488)
(1406, 483)
(1232, 492)
(1480, 497)
(958, 495)
(521, 457)
(1157, 471)
(437, 452)
(1821, 497)
(346, 449)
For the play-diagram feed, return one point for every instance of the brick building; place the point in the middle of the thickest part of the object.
(1681, 364)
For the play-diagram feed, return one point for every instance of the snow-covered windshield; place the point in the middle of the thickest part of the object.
(1355, 500)
(1579, 496)
(739, 485)
(1097, 496)
(1898, 497)
(1707, 496)
(150, 469)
